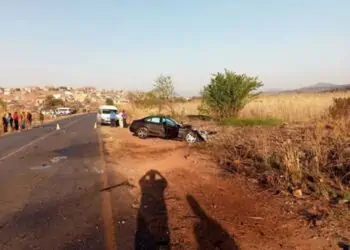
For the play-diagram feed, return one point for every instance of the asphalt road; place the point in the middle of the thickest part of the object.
(50, 190)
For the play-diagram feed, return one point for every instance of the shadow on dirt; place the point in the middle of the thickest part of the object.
(152, 218)
(209, 233)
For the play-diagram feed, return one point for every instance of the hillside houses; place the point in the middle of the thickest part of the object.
(33, 98)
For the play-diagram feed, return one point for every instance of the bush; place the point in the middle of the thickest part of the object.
(228, 93)
(109, 101)
(340, 108)
(52, 102)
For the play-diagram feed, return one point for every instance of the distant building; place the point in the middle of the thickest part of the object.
(7, 91)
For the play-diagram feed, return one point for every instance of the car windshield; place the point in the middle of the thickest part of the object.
(108, 111)
(175, 121)
(170, 122)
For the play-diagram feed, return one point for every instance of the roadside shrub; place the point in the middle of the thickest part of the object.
(228, 93)
(52, 102)
(109, 101)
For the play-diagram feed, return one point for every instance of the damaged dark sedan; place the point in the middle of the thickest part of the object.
(167, 128)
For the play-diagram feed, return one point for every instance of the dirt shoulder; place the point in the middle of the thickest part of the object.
(185, 201)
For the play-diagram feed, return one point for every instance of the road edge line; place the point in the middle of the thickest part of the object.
(106, 205)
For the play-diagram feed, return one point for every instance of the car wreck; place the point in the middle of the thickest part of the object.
(167, 128)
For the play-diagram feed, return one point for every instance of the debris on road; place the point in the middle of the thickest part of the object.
(58, 159)
(124, 183)
(298, 193)
(121, 222)
(256, 218)
(99, 171)
(43, 166)
(135, 206)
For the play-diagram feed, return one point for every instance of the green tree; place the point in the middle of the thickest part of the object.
(109, 101)
(164, 92)
(228, 93)
(52, 102)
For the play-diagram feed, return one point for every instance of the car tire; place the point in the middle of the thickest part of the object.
(142, 133)
(191, 137)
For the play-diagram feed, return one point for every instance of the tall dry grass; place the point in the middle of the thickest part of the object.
(292, 107)
(289, 107)
(179, 110)
(314, 158)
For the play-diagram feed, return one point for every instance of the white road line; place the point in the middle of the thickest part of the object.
(37, 140)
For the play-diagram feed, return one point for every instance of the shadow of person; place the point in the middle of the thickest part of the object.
(209, 233)
(152, 219)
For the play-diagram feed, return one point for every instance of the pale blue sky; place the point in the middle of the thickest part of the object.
(127, 44)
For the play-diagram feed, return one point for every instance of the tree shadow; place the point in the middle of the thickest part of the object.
(152, 219)
(209, 233)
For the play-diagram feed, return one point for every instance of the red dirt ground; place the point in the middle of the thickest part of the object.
(208, 209)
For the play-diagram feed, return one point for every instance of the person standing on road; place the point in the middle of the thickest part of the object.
(4, 123)
(120, 120)
(10, 121)
(113, 118)
(123, 114)
(23, 120)
(16, 120)
(29, 119)
(41, 118)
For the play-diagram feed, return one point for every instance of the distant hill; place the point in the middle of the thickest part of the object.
(321, 87)
(318, 87)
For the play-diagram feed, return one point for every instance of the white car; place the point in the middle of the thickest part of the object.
(104, 114)
(64, 111)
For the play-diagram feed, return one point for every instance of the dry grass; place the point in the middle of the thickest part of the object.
(180, 109)
(292, 107)
(288, 107)
(315, 159)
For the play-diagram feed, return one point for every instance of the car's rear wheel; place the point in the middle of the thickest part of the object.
(191, 137)
(142, 132)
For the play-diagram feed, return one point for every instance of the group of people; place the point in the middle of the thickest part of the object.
(17, 121)
(119, 119)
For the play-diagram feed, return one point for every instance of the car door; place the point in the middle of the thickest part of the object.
(171, 127)
(155, 128)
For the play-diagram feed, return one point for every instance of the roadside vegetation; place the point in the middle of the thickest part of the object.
(109, 101)
(243, 122)
(228, 93)
(297, 143)
(51, 102)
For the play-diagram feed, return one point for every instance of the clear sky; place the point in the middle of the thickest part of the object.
(128, 43)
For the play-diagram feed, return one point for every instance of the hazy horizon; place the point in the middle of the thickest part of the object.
(124, 45)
